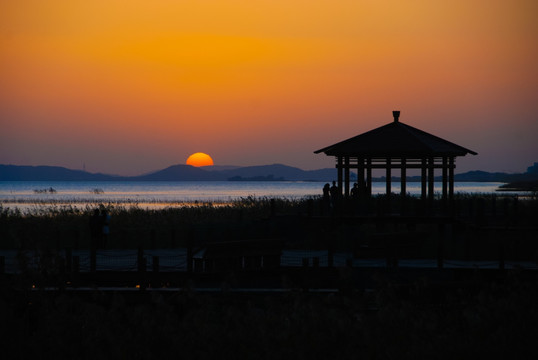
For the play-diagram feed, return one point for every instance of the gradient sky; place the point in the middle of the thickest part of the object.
(128, 87)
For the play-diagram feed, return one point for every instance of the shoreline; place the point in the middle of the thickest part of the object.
(529, 186)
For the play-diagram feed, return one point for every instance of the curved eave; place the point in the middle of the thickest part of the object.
(396, 154)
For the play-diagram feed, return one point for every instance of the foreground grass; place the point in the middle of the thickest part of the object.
(490, 320)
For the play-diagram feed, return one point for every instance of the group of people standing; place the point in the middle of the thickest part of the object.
(99, 228)
(332, 194)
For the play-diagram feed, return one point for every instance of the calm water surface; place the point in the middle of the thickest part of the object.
(21, 194)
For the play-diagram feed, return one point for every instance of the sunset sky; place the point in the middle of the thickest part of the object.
(128, 86)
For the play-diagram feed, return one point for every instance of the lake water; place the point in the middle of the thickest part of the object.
(22, 194)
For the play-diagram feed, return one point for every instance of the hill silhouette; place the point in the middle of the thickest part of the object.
(178, 173)
(273, 172)
(172, 173)
(49, 173)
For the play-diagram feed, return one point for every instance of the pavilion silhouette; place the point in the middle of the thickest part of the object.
(396, 146)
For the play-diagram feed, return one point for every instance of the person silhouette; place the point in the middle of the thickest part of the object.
(335, 194)
(355, 191)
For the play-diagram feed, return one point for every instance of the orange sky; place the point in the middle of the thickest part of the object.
(128, 87)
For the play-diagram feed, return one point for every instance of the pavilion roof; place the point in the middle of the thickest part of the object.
(395, 139)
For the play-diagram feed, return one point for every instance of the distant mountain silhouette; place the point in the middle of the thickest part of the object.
(280, 172)
(219, 167)
(178, 173)
(274, 172)
(172, 173)
(256, 178)
(49, 173)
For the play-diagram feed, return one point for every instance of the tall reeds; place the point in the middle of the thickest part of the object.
(131, 226)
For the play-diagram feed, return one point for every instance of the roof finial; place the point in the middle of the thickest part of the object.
(396, 115)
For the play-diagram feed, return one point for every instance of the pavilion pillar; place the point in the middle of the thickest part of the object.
(431, 179)
(340, 173)
(389, 177)
(445, 181)
(369, 176)
(346, 176)
(403, 186)
(360, 176)
(403, 178)
(451, 167)
(423, 178)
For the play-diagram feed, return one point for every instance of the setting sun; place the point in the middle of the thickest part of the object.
(199, 159)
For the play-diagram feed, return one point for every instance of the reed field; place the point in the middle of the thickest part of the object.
(60, 226)
(481, 220)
